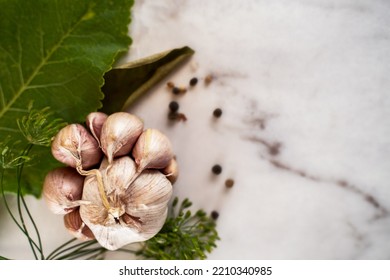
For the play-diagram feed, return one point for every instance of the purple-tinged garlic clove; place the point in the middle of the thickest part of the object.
(62, 190)
(152, 150)
(95, 121)
(119, 133)
(75, 225)
(74, 146)
(133, 215)
(171, 172)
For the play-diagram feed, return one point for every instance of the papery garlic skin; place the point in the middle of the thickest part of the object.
(123, 165)
(62, 190)
(137, 212)
(152, 150)
(94, 122)
(171, 171)
(75, 225)
(74, 145)
(119, 133)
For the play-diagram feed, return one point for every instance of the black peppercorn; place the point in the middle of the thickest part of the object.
(176, 90)
(214, 215)
(217, 113)
(217, 169)
(193, 81)
(173, 106)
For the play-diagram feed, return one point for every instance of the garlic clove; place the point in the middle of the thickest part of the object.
(112, 179)
(152, 150)
(171, 171)
(75, 225)
(134, 215)
(147, 198)
(119, 133)
(95, 121)
(73, 145)
(62, 190)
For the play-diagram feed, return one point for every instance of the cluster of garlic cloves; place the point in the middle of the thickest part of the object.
(118, 182)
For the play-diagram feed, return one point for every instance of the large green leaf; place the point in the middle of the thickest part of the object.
(126, 83)
(54, 53)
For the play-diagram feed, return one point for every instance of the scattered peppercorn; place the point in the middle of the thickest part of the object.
(229, 183)
(175, 116)
(217, 113)
(170, 85)
(217, 169)
(178, 90)
(173, 106)
(214, 215)
(181, 117)
(193, 81)
(208, 79)
(175, 90)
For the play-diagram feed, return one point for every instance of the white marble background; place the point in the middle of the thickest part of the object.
(305, 130)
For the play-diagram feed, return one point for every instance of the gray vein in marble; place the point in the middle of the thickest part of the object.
(359, 237)
(273, 149)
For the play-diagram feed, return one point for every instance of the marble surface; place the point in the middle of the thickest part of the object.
(305, 130)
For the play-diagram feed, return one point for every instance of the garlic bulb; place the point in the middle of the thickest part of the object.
(75, 225)
(62, 190)
(152, 150)
(122, 202)
(171, 171)
(119, 133)
(74, 146)
(95, 121)
(135, 212)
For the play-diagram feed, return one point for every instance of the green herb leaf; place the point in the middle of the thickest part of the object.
(126, 83)
(54, 54)
(183, 237)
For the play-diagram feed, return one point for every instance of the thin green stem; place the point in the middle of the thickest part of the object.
(3, 258)
(94, 257)
(95, 251)
(40, 249)
(74, 247)
(21, 199)
(27, 151)
(73, 253)
(60, 247)
(10, 212)
(127, 251)
(190, 226)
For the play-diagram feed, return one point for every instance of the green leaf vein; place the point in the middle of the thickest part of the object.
(26, 85)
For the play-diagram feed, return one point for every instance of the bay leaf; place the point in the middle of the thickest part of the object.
(126, 83)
